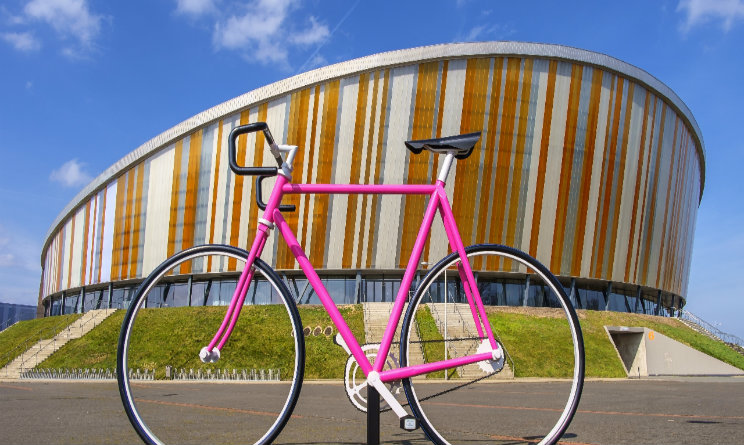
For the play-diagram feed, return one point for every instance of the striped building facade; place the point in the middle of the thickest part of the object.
(589, 164)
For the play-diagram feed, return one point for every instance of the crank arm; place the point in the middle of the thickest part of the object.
(373, 379)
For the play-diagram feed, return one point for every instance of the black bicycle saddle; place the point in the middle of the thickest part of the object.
(462, 144)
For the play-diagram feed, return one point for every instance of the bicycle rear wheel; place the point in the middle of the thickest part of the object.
(482, 402)
(248, 395)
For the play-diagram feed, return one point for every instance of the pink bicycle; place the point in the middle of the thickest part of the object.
(450, 350)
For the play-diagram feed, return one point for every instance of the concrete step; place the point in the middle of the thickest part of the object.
(45, 348)
(459, 325)
(376, 317)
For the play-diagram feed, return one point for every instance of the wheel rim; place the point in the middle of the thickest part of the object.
(571, 388)
(205, 410)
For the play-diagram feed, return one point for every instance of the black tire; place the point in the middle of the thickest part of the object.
(530, 411)
(228, 409)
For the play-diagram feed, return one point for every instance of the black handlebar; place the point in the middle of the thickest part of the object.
(261, 172)
(262, 205)
(233, 151)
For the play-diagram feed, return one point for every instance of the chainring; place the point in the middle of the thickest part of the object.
(355, 382)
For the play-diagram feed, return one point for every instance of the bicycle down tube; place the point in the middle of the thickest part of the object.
(437, 202)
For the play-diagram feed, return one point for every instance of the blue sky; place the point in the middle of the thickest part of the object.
(82, 83)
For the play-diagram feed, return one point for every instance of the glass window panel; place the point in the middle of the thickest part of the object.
(198, 288)
(336, 289)
(617, 302)
(90, 300)
(514, 294)
(351, 290)
(225, 294)
(180, 295)
(155, 297)
(261, 292)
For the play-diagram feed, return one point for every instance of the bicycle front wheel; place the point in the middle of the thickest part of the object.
(248, 395)
(533, 321)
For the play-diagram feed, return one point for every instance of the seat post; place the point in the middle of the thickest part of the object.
(444, 171)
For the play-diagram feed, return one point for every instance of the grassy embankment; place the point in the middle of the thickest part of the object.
(191, 328)
(16, 339)
(531, 336)
(523, 333)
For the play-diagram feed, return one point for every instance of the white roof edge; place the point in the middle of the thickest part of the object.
(373, 62)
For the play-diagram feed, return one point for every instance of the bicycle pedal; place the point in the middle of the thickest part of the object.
(409, 423)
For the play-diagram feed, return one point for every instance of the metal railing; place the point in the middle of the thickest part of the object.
(38, 336)
(77, 325)
(709, 329)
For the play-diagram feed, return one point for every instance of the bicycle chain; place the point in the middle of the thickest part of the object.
(456, 387)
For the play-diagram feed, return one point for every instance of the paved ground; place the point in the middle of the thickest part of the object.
(684, 411)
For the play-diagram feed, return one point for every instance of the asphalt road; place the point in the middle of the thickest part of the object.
(683, 411)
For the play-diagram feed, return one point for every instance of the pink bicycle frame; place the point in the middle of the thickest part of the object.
(437, 202)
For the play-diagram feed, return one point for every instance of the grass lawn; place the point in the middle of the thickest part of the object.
(18, 338)
(536, 339)
(174, 336)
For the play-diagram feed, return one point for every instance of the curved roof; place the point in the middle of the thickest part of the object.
(386, 60)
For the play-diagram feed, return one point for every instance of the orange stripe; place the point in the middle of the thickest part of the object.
(665, 233)
(215, 185)
(173, 222)
(103, 226)
(438, 133)
(680, 208)
(325, 169)
(70, 252)
(356, 160)
(258, 153)
(586, 172)
(121, 192)
(596, 247)
(378, 167)
(544, 144)
(128, 222)
(645, 191)
(423, 119)
(503, 159)
(93, 244)
(237, 199)
(294, 99)
(639, 175)
(620, 180)
(60, 260)
(514, 200)
(608, 178)
(84, 262)
(306, 199)
(652, 214)
(296, 135)
(473, 107)
(489, 146)
(368, 163)
(192, 185)
(564, 184)
(138, 212)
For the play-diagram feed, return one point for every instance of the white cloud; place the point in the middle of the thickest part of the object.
(72, 20)
(70, 174)
(487, 32)
(22, 41)
(264, 31)
(699, 12)
(316, 33)
(67, 17)
(195, 7)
